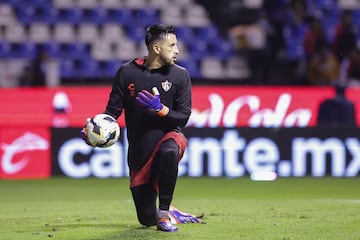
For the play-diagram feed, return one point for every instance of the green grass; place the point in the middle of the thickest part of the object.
(89, 209)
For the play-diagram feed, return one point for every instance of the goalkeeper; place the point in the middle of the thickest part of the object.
(155, 95)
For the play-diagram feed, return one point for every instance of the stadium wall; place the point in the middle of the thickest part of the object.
(233, 132)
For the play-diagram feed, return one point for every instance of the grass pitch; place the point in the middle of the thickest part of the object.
(100, 209)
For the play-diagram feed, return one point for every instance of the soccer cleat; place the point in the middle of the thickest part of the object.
(179, 217)
(165, 225)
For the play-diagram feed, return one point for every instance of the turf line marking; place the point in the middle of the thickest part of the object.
(356, 201)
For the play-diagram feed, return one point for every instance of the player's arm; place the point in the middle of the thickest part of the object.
(114, 106)
(180, 112)
(115, 103)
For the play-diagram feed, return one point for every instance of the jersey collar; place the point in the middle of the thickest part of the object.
(140, 61)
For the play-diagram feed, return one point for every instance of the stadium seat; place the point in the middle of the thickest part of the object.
(182, 3)
(94, 15)
(52, 49)
(21, 50)
(68, 69)
(236, 68)
(25, 14)
(195, 16)
(356, 18)
(64, 33)
(14, 33)
(293, 37)
(67, 51)
(134, 4)
(90, 69)
(209, 33)
(40, 33)
(101, 50)
(5, 50)
(212, 68)
(173, 16)
(136, 33)
(185, 33)
(125, 50)
(70, 15)
(192, 66)
(87, 4)
(112, 32)
(198, 49)
(109, 68)
(222, 49)
(145, 17)
(119, 16)
(64, 3)
(184, 52)
(7, 16)
(44, 3)
(160, 4)
(326, 4)
(110, 4)
(141, 50)
(87, 32)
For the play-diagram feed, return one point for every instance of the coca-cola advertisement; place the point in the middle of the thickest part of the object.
(214, 106)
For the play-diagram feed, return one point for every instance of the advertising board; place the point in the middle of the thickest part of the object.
(224, 152)
(221, 106)
(233, 131)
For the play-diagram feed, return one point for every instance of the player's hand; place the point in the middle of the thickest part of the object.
(151, 101)
(84, 133)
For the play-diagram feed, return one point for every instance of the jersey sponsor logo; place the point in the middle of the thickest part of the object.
(131, 88)
(25, 155)
(166, 85)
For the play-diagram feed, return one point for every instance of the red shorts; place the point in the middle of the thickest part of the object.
(142, 176)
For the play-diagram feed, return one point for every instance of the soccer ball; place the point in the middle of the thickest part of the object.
(102, 130)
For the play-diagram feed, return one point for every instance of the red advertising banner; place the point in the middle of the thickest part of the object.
(24, 152)
(213, 106)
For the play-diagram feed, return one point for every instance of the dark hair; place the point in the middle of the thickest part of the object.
(157, 31)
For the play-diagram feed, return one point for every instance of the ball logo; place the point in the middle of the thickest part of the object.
(25, 156)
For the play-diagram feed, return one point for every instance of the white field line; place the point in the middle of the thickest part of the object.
(355, 201)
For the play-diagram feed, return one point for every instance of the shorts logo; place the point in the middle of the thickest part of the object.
(166, 85)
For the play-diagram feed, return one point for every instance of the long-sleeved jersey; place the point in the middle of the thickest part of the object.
(145, 128)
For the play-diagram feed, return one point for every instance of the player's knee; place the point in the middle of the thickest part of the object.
(147, 218)
(169, 151)
(169, 154)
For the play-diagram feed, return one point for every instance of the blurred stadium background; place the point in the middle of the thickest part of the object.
(236, 40)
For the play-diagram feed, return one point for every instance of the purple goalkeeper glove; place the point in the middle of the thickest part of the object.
(152, 102)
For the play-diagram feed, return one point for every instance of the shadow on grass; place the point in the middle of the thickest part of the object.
(108, 231)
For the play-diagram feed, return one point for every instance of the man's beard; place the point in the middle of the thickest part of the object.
(166, 61)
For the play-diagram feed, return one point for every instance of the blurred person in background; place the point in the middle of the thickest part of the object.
(35, 74)
(314, 36)
(323, 67)
(337, 111)
(251, 41)
(345, 36)
(350, 68)
(249, 28)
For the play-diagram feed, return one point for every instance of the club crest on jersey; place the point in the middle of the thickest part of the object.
(166, 85)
